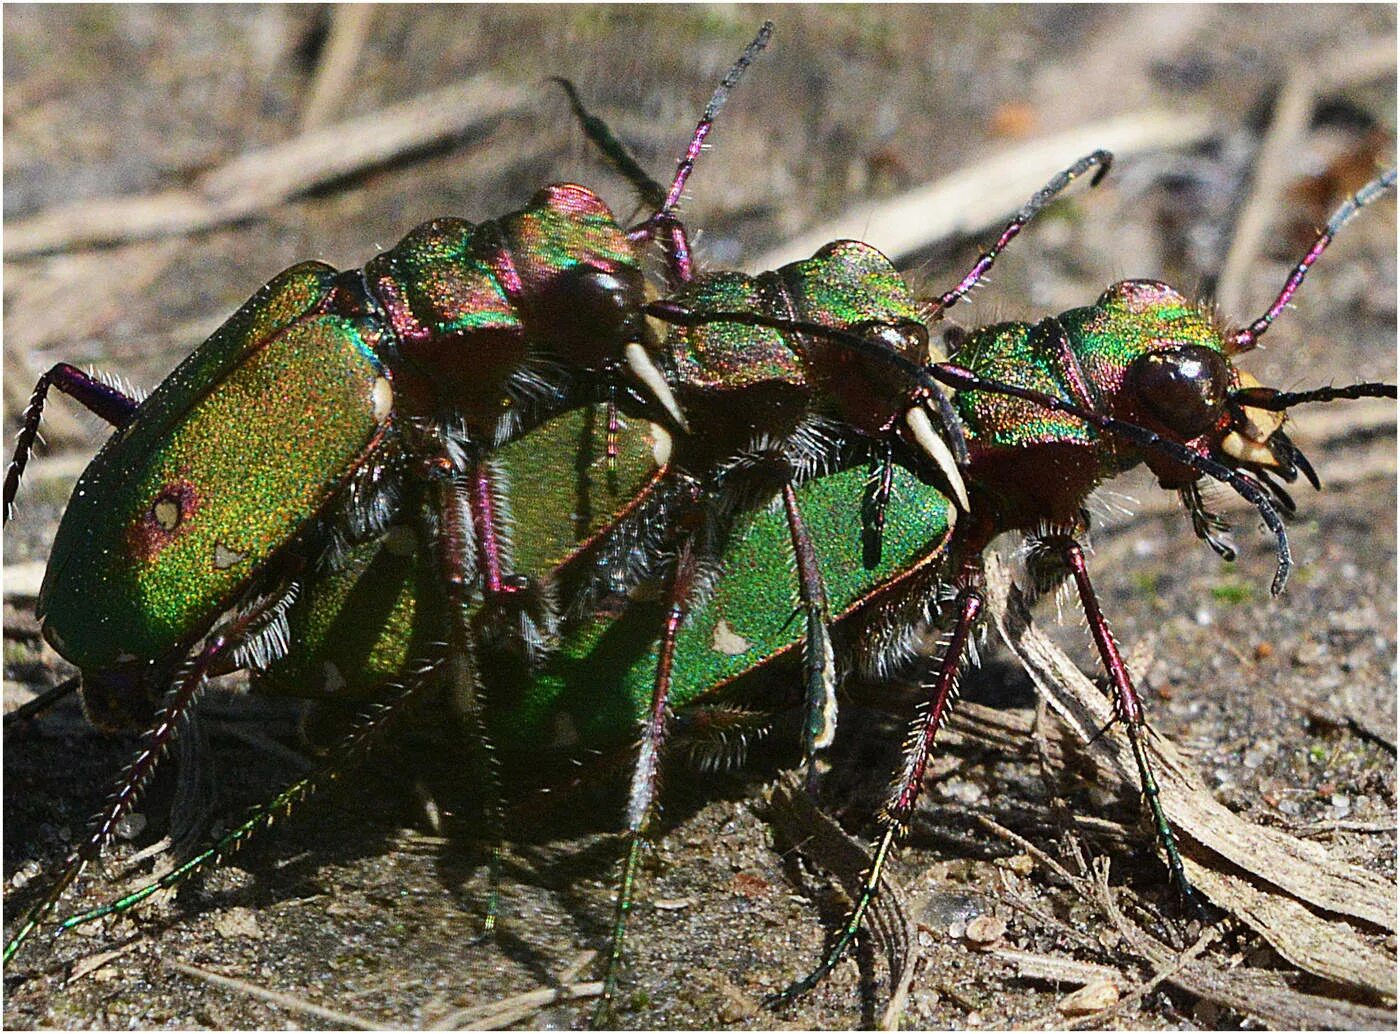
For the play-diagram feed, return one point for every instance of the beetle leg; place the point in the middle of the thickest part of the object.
(645, 785)
(486, 530)
(453, 549)
(900, 806)
(138, 773)
(41, 703)
(875, 504)
(111, 404)
(343, 756)
(819, 657)
(1127, 705)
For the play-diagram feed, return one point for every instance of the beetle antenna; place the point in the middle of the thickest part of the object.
(1042, 197)
(1244, 340)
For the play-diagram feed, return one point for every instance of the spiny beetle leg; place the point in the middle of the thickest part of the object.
(343, 756)
(514, 610)
(108, 402)
(907, 784)
(875, 505)
(220, 644)
(453, 554)
(1127, 706)
(819, 656)
(642, 794)
(42, 702)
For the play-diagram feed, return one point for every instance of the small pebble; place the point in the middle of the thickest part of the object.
(961, 790)
(737, 1007)
(1020, 864)
(985, 931)
(237, 922)
(1308, 654)
(1092, 997)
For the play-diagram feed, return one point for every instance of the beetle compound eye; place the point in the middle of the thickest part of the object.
(602, 300)
(1183, 387)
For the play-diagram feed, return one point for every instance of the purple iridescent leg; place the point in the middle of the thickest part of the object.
(646, 776)
(128, 790)
(1127, 706)
(455, 512)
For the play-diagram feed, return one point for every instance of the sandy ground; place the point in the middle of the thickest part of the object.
(1286, 708)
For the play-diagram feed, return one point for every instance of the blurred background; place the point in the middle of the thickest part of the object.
(161, 163)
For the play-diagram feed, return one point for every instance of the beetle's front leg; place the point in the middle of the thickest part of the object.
(1127, 704)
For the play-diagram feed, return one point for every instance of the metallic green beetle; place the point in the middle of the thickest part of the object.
(1141, 352)
(304, 424)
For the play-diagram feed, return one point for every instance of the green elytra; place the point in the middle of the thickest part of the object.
(379, 612)
(165, 524)
(602, 675)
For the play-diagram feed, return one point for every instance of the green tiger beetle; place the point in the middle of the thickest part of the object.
(384, 418)
(804, 338)
(1141, 376)
(438, 351)
(1146, 377)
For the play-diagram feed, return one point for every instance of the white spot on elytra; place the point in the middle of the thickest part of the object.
(224, 558)
(383, 399)
(167, 514)
(727, 641)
